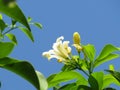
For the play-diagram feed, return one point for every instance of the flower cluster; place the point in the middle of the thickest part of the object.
(61, 50)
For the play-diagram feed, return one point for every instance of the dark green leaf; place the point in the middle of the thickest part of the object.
(89, 51)
(14, 12)
(38, 25)
(109, 88)
(2, 25)
(66, 76)
(5, 48)
(12, 38)
(96, 80)
(28, 33)
(83, 87)
(13, 22)
(21, 68)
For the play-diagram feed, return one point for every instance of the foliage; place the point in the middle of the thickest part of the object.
(70, 76)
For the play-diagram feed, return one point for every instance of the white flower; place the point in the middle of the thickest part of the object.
(60, 51)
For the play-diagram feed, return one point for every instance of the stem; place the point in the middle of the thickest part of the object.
(83, 72)
(9, 30)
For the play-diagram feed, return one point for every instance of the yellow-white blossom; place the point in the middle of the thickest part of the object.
(60, 51)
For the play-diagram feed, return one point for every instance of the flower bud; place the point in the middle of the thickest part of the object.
(76, 38)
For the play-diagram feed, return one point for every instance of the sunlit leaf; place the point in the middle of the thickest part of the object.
(115, 74)
(21, 68)
(66, 76)
(14, 12)
(108, 80)
(106, 54)
(27, 33)
(96, 80)
(108, 49)
(5, 48)
(12, 38)
(107, 58)
(42, 80)
(89, 51)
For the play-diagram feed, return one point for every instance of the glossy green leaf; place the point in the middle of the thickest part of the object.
(42, 80)
(27, 33)
(89, 51)
(5, 48)
(21, 68)
(108, 80)
(115, 74)
(106, 54)
(107, 58)
(108, 49)
(96, 80)
(14, 12)
(12, 38)
(2, 25)
(66, 76)
(38, 25)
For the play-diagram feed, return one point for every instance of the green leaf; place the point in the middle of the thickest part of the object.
(12, 38)
(83, 87)
(115, 74)
(96, 80)
(108, 49)
(14, 12)
(29, 19)
(13, 22)
(5, 48)
(109, 88)
(108, 80)
(38, 25)
(21, 68)
(89, 51)
(103, 60)
(28, 33)
(71, 86)
(2, 25)
(106, 54)
(66, 76)
(42, 80)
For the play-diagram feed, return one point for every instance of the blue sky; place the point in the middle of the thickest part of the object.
(97, 21)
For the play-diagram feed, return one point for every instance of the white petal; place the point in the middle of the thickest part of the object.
(60, 39)
(46, 54)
